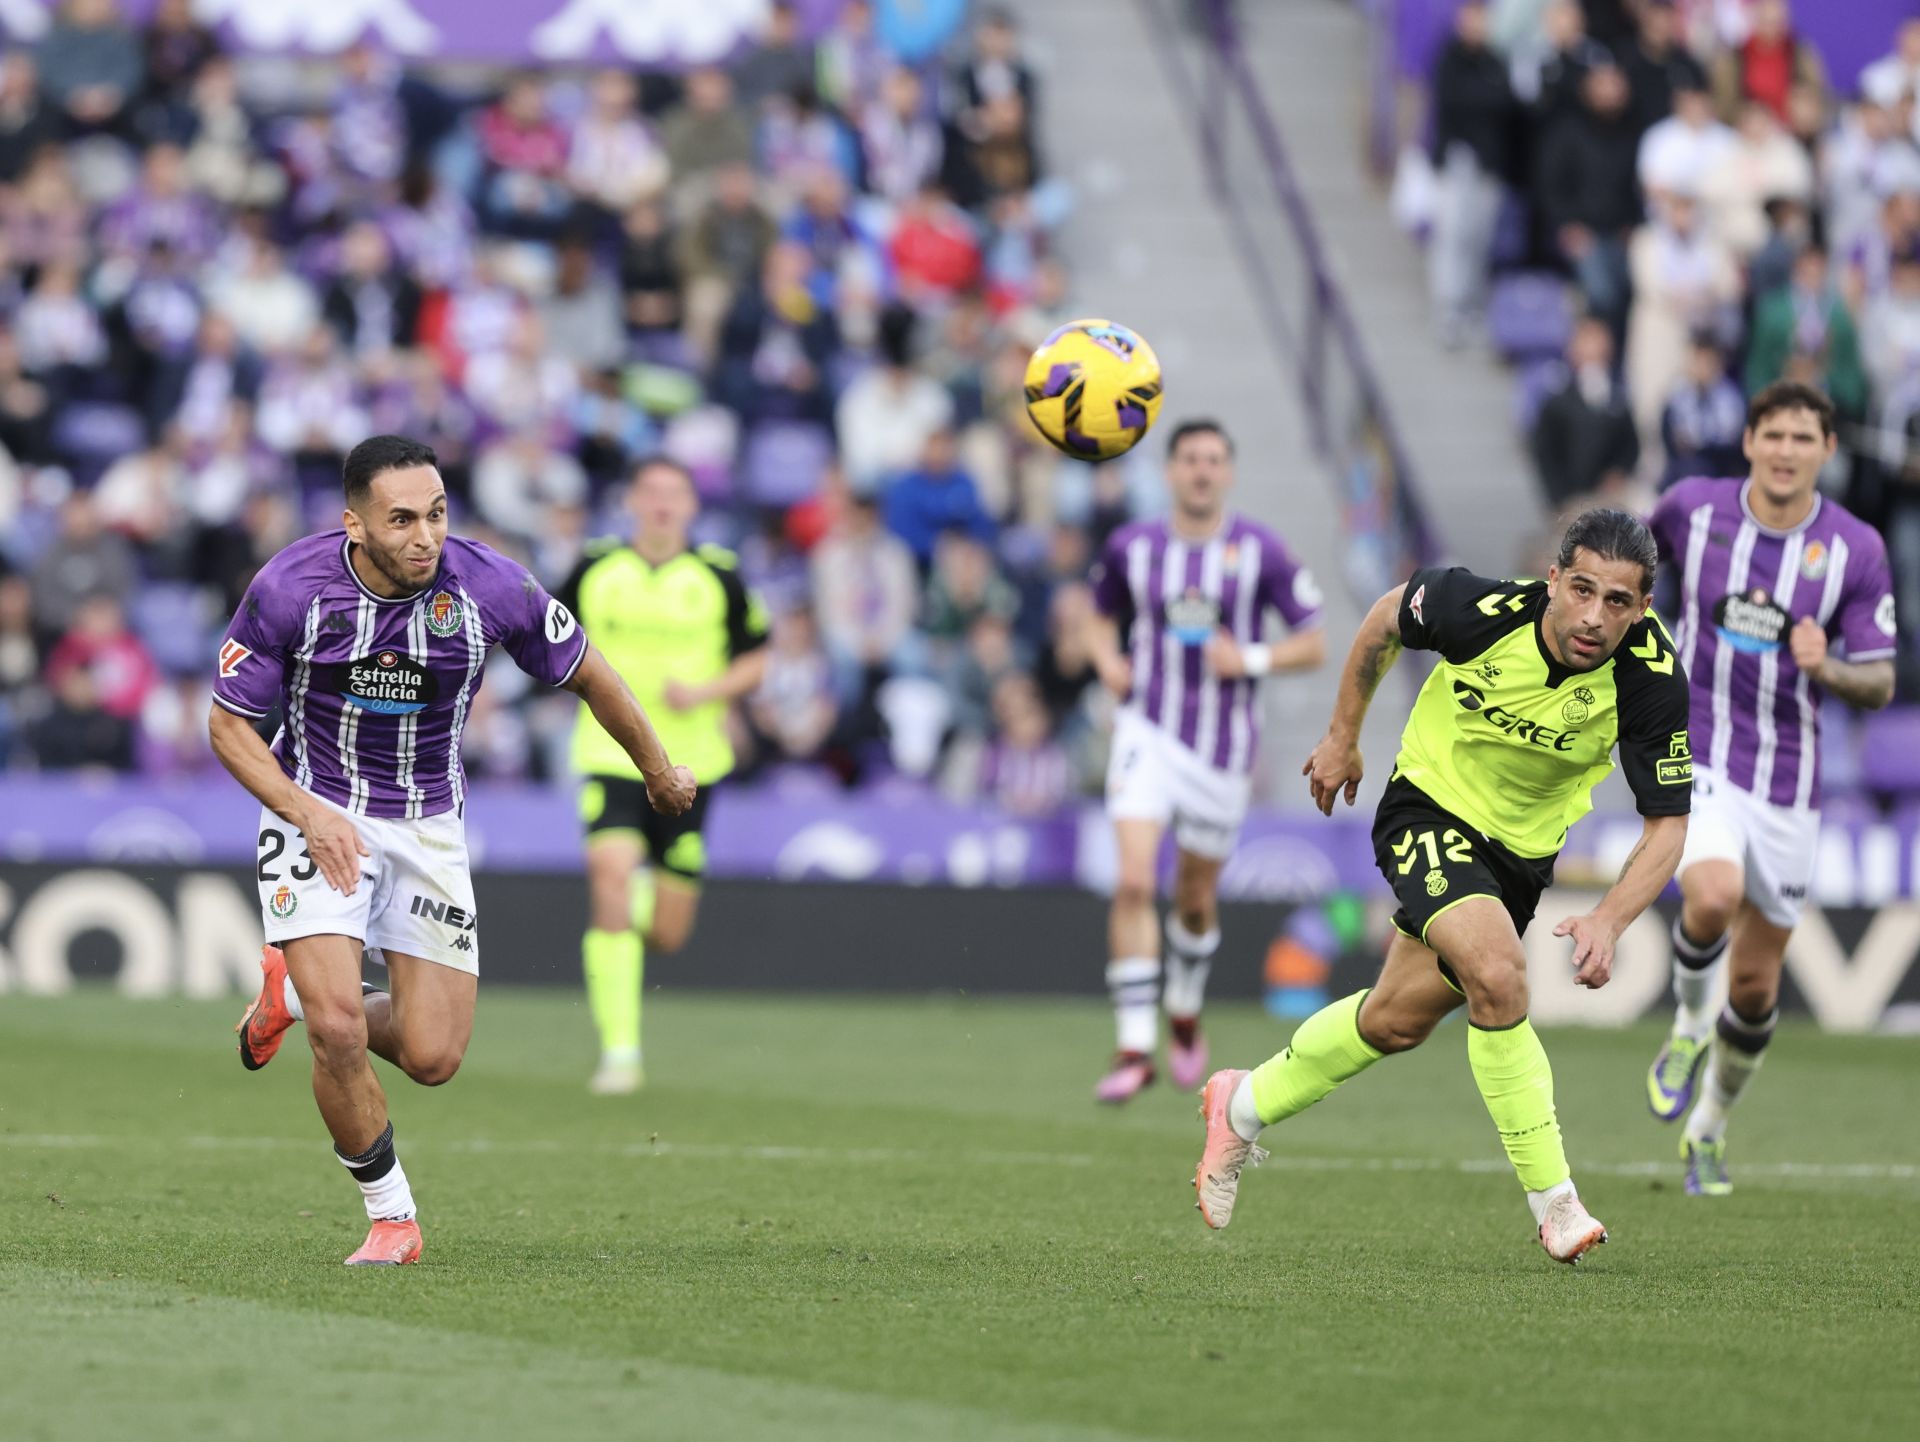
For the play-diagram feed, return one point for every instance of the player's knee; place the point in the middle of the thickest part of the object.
(338, 1035)
(1496, 993)
(665, 939)
(432, 1067)
(1709, 908)
(1753, 997)
(1131, 892)
(1389, 1034)
(1196, 914)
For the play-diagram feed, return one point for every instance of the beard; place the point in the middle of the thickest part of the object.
(393, 566)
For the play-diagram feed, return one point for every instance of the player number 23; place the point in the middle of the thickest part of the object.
(1450, 841)
(272, 843)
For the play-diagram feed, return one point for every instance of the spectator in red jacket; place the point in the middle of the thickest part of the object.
(100, 644)
(935, 250)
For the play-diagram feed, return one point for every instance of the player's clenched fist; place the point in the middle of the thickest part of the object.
(672, 793)
(1333, 766)
(1808, 643)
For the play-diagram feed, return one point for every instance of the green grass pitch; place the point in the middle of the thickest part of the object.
(906, 1220)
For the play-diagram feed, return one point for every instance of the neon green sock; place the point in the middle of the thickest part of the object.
(644, 892)
(1516, 1082)
(1325, 1051)
(613, 967)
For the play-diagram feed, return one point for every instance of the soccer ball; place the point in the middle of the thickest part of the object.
(1093, 389)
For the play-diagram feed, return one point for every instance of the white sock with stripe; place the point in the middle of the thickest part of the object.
(1134, 984)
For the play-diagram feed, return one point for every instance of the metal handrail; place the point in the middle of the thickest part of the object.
(1370, 455)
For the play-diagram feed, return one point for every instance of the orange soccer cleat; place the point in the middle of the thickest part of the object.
(264, 1024)
(389, 1244)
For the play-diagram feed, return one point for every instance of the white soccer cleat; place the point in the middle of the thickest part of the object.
(617, 1079)
(1216, 1181)
(1568, 1230)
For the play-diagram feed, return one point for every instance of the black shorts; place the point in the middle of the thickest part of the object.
(615, 804)
(1433, 861)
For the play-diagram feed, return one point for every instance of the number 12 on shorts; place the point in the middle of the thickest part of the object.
(1450, 843)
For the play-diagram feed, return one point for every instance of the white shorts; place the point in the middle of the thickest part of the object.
(1774, 846)
(1151, 776)
(415, 894)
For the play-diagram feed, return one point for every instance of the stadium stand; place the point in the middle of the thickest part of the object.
(812, 276)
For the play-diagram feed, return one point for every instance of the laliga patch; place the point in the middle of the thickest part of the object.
(1753, 623)
(560, 622)
(232, 653)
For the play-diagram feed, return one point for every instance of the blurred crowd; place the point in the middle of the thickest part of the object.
(812, 276)
(1656, 207)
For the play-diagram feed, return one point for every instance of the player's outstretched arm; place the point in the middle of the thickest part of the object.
(332, 841)
(1336, 764)
(1649, 867)
(670, 788)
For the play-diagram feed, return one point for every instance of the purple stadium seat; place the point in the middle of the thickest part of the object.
(170, 617)
(784, 462)
(1890, 751)
(1529, 315)
(1510, 233)
(92, 435)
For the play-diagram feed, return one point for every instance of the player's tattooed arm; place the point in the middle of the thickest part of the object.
(670, 788)
(1866, 684)
(1336, 765)
(1648, 869)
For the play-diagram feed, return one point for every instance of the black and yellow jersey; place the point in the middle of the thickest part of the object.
(1510, 740)
(684, 620)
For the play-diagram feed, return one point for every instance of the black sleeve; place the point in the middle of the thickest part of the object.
(746, 617)
(1460, 614)
(1653, 703)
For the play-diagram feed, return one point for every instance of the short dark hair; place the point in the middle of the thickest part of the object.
(666, 462)
(377, 455)
(1612, 535)
(1790, 396)
(1198, 426)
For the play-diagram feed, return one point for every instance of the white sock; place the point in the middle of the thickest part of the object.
(1696, 981)
(1738, 1049)
(1538, 1201)
(381, 1179)
(1242, 1115)
(1134, 984)
(1189, 960)
(292, 999)
(621, 1056)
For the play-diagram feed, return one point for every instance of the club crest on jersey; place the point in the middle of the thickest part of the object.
(1191, 617)
(1753, 623)
(283, 903)
(231, 655)
(386, 682)
(1813, 560)
(444, 613)
(1577, 709)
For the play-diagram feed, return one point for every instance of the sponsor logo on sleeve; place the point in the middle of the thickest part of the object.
(1676, 767)
(560, 622)
(232, 653)
(1416, 604)
(1307, 594)
(1883, 614)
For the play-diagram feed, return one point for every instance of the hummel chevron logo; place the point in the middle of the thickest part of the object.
(1490, 605)
(1651, 653)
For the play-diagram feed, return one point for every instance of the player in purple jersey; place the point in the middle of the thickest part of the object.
(371, 641)
(1188, 598)
(1772, 574)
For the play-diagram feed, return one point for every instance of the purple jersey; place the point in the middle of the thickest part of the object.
(375, 691)
(1169, 595)
(1756, 715)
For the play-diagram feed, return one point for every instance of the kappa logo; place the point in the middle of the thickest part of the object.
(337, 622)
(463, 942)
(444, 614)
(231, 656)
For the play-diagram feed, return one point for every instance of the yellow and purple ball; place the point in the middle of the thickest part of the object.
(1093, 389)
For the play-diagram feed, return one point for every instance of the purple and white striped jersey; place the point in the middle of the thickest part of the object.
(374, 691)
(1170, 595)
(1756, 715)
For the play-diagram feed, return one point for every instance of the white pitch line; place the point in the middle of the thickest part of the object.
(887, 1156)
